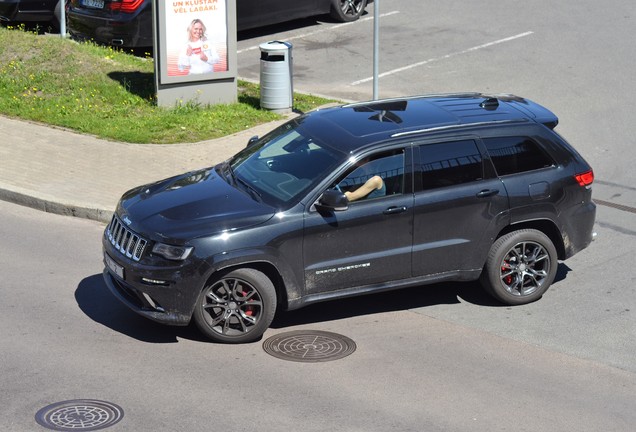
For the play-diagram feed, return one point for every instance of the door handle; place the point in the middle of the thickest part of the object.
(487, 193)
(394, 210)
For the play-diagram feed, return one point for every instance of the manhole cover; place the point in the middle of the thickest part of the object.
(309, 346)
(79, 415)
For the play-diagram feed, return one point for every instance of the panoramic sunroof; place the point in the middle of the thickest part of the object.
(389, 116)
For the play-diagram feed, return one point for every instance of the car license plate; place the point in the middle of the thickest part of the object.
(113, 266)
(97, 4)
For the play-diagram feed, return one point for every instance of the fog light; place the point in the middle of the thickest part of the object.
(154, 281)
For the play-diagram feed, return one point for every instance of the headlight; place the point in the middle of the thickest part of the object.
(176, 253)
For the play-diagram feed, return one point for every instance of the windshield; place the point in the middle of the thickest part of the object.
(283, 165)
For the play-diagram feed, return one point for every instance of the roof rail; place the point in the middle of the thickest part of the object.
(488, 96)
(453, 126)
(422, 96)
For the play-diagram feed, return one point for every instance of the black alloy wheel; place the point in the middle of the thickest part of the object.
(520, 267)
(347, 10)
(237, 307)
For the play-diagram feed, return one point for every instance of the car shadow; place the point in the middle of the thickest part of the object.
(390, 301)
(96, 301)
(276, 28)
(562, 273)
(397, 300)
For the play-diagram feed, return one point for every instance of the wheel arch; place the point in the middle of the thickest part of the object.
(545, 226)
(265, 267)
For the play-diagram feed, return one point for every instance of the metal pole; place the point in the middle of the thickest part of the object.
(62, 4)
(376, 46)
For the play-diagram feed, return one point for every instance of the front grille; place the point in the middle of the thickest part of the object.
(124, 240)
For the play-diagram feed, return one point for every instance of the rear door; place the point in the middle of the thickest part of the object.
(459, 207)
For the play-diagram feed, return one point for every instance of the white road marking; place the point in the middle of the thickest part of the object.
(422, 63)
(322, 30)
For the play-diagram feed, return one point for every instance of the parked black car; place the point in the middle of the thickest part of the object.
(128, 23)
(40, 11)
(458, 188)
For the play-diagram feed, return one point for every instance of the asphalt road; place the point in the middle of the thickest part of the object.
(574, 57)
(437, 358)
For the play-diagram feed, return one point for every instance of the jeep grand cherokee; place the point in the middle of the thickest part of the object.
(465, 187)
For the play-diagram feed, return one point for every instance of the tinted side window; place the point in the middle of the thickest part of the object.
(388, 166)
(512, 155)
(450, 163)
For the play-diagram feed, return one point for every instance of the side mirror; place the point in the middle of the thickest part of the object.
(252, 140)
(332, 200)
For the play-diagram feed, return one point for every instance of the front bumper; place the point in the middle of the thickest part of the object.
(165, 295)
(136, 301)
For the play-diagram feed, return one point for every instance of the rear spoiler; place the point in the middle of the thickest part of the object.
(533, 110)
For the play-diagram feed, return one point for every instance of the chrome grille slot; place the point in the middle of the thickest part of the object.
(124, 240)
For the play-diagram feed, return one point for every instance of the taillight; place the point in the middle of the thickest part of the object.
(586, 178)
(127, 6)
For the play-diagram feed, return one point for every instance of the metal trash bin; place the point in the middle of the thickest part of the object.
(277, 92)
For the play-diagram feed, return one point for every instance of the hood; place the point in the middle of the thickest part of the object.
(188, 206)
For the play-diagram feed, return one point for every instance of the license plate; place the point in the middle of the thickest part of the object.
(113, 266)
(97, 4)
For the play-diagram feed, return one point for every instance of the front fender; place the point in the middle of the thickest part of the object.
(278, 269)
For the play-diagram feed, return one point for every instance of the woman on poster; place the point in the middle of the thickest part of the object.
(198, 56)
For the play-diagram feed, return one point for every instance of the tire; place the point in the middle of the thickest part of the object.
(237, 307)
(520, 267)
(347, 10)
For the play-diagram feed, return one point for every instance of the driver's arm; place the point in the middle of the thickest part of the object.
(369, 186)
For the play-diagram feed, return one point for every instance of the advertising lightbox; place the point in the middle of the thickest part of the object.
(195, 51)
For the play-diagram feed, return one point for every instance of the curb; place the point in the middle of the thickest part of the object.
(49, 206)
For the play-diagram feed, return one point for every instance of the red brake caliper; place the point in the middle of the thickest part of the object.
(507, 279)
(249, 310)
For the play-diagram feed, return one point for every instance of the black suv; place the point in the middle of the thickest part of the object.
(351, 200)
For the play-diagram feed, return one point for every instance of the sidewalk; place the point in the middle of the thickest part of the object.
(63, 172)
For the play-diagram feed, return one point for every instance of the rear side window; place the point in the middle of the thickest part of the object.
(450, 163)
(512, 155)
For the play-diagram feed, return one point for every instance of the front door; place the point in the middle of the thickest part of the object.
(370, 242)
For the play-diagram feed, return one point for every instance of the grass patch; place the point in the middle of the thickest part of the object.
(109, 93)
